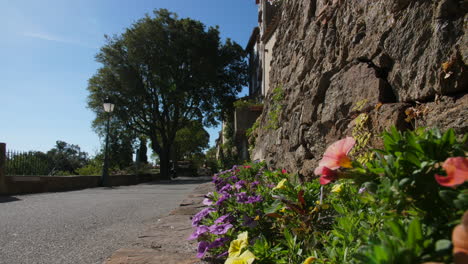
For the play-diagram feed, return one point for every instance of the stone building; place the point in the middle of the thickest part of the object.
(259, 49)
(337, 59)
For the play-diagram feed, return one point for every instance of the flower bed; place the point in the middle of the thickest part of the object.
(398, 208)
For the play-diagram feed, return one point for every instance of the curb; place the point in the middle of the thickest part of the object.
(166, 240)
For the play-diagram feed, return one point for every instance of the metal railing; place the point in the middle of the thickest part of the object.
(19, 163)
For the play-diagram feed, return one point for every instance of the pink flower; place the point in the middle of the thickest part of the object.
(457, 172)
(247, 167)
(327, 175)
(335, 156)
(283, 171)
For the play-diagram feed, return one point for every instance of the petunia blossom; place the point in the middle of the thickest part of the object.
(239, 185)
(281, 185)
(207, 201)
(198, 232)
(219, 242)
(220, 229)
(327, 175)
(202, 248)
(223, 219)
(336, 155)
(457, 172)
(337, 188)
(237, 245)
(200, 215)
(242, 197)
(246, 257)
(226, 188)
(222, 199)
(254, 199)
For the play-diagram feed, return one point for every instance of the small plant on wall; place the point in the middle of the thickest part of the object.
(275, 108)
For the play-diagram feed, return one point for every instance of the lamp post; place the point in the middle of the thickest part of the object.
(108, 108)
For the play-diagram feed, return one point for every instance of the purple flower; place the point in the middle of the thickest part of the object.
(219, 242)
(240, 184)
(222, 199)
(242, 197)
(361, 190)
(200, 231)
(254, 199)
(249, 222)
(220, 229)
(200, 215)
(233, 178)
(271, 185)
(202, 248)
(254, 184)
(222, 219)
(226, 188)
(207, 201)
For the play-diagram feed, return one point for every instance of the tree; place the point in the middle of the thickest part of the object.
(163, 72)
(67, 157)
(142, 153)
(190, 140)
(121, 142)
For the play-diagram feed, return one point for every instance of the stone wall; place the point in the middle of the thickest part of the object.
(394, 54)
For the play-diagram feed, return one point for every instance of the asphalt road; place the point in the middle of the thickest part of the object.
(82, 227)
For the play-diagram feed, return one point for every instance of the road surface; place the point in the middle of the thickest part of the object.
(82, 227)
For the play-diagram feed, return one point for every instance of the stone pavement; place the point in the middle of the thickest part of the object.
(166, 240)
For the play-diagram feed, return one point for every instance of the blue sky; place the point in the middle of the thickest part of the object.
(47, 51)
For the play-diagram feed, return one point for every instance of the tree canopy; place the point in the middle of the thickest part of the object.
(190, 140)
(164, 72)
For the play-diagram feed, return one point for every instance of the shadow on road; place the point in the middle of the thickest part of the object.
(181, 180)
(8, 199)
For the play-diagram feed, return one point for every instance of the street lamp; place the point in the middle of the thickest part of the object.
(108, 108)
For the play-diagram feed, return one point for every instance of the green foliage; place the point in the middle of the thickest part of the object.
(390, 210)
(94, 167)
(396, 243)
(29, 163)
(252, 134)
(67, 158)
(210, 159)
(229, 152)
(362, 134)
(190, 140)
(242, 103)
(275, 108)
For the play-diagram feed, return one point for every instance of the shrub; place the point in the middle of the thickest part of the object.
(395, 208)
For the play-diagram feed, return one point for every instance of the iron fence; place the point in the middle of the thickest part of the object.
(20, 163)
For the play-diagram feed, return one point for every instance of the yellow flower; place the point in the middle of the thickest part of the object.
(237, 245)
(337, 188)
(281, 184)
(246, 258)
(283, 209)
(257, 218)
(309, 260)
(325, 206)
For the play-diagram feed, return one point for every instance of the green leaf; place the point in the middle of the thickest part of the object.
(443, 244)
(414, 234)
(396, 229)
(274, 207)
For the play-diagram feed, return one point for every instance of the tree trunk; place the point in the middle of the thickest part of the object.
(165, 165)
